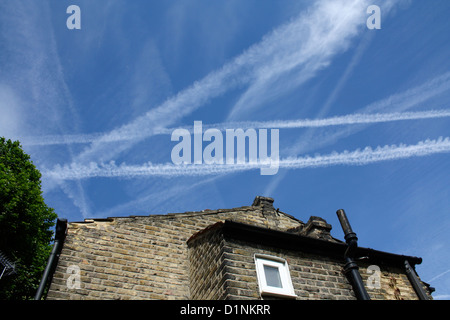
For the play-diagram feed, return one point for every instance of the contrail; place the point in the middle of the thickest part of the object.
(352, 119)
(357, 118)
(354, 158)
(308, 42)
(438, 276)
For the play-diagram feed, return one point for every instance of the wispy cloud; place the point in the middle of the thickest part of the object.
(396, 103)
(313, 41)
(31, 66)
(357, 118)
(352, 119)
(158, 197)
(36, 99)
(316, 35)
(438, 276)
(295, 51)
(357, 157)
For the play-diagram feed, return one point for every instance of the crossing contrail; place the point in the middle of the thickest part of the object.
(353, 158)
(352, 119)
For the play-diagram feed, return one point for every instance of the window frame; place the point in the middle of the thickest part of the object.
(287, 290)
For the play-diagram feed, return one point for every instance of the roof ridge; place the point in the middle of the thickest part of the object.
(266, 203)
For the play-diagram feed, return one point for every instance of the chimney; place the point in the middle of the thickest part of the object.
(265, 203)
(317, 227)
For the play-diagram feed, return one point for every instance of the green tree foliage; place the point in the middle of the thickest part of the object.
(25, 221)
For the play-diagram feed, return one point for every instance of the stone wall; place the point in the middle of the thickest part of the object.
(313, 276)
(224, 268)
(187, 256)
(207, 269)
(144, 257)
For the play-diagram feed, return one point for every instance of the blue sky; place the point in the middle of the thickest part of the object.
(95, 109)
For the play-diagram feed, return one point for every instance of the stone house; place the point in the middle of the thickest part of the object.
(250, 252)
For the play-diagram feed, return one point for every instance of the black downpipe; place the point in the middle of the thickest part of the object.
(60, 235)
(350, 267)
(412, 276)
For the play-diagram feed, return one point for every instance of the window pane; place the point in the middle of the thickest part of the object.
(272, 276)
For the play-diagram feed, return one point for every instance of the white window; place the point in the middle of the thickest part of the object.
(273, 276)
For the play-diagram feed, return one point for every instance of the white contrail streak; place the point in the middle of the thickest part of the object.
(357, 157)
(352, 119)
(438, 276)
(357, 118)
(306, 43)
